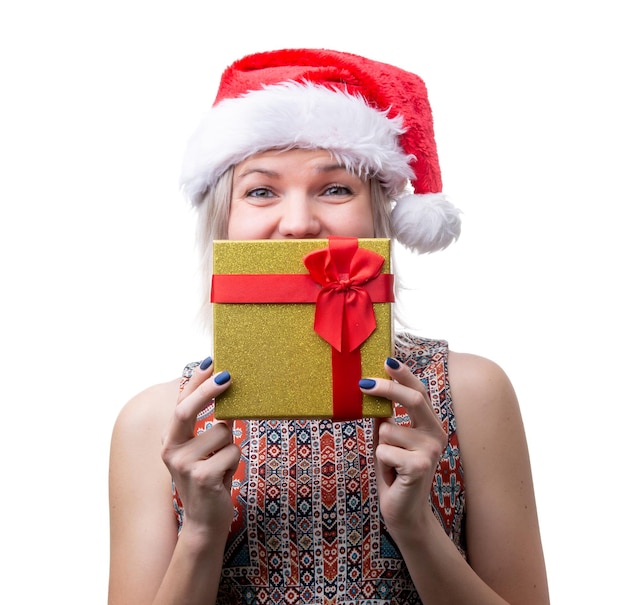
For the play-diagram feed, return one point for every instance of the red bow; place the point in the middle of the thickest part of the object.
(344, 315)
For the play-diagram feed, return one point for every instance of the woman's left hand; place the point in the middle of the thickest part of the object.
(406, 456)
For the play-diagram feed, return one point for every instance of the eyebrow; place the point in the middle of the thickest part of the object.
(272, 173)
(330, 168)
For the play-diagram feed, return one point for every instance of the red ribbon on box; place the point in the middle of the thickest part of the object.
(343, 281)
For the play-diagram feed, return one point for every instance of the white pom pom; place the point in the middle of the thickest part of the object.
(425, 222)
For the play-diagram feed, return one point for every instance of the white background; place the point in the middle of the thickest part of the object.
(99, 269)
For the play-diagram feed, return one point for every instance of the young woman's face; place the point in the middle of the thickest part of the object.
(298, 194)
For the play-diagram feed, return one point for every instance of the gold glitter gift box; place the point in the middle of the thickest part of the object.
(266, 312)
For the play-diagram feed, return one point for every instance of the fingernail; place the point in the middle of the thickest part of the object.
(206, 363)
(222, 377)
(393, 363)
(367, 383)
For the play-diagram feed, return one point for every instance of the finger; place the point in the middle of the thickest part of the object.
(403, 375)
(378, 424)
(213, 439)
(397, 441)
(219, 468)
(405, 389)
(210, 472)
(385, 471)
(193, 375)
(398, 436)
(227, 460)
(183, 421)
(417, 406)
(397, 462)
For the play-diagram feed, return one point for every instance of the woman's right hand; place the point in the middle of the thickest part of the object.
(202, 466)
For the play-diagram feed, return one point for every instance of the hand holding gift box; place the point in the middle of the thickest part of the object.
(298, 323)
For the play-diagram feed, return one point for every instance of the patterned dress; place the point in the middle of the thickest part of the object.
(307, 526)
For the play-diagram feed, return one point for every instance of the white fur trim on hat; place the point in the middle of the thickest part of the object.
(427, 222)
(303, 115)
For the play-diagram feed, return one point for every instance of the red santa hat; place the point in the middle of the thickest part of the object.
(373, 117)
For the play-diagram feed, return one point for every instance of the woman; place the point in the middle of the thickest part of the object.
(434, 505)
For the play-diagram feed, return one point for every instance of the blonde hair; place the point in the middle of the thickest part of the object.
(213, 213)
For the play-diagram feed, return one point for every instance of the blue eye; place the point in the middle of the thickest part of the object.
(260, 192)
(337, 190)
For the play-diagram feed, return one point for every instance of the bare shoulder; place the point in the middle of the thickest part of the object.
(149, 409)
(136, 469)
(474, 374)
(484, 400)
(137, 434)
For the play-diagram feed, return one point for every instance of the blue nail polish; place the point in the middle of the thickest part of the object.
(206, 363)
(394, 364)
(222, 377)
(367, 383)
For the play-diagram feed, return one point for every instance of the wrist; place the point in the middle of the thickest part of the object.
(418, 532)
(201, 540)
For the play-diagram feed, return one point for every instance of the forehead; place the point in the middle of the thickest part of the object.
(318, 160)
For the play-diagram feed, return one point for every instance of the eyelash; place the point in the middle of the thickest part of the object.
(268, 193)
(346, 190)
(263, 190)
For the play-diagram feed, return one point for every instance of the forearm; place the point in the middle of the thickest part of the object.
(194, 572)
(440, 573)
